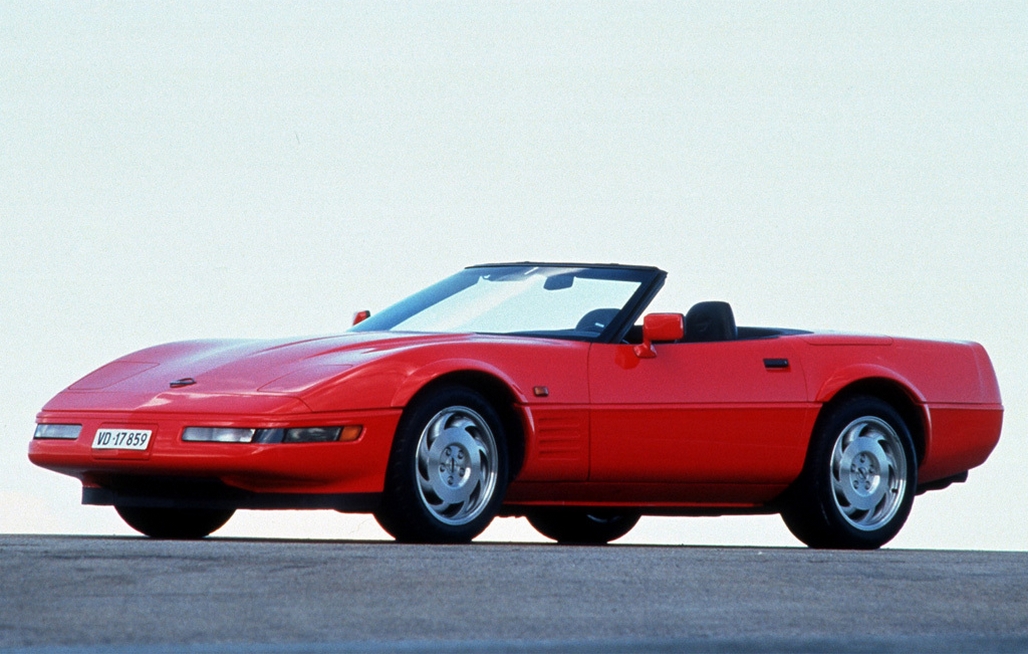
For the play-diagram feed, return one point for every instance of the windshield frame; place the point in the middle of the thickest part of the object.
(649, 280)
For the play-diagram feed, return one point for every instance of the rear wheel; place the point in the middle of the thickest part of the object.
(448, 470)
(186, 524)
(858, 485)
(582, 526)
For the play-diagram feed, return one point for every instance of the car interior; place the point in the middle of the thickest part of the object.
(708, 322)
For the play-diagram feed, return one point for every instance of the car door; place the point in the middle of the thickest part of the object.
(715, 412)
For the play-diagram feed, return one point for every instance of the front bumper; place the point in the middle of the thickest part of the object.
(345, 468)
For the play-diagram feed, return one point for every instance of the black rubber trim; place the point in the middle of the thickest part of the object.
(939, 484)
(565, 264)
(187, 493)
(619, 326)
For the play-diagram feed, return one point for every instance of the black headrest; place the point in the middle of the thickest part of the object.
(710, 321)
(596, 320)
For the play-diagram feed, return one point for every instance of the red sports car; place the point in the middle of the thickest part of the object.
(530, 389)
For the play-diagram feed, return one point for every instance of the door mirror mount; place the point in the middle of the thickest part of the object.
(657, 328)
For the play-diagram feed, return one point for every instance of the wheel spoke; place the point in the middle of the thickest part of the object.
(432, 432)
(462, 422)
(426, 485)
(437, 426)
(839, 486)
(853, 513)
(424, 457)
(456, 494)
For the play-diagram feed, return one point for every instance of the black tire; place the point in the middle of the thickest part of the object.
(577, 526)
(448, 470)
(183, 524)
(858, 484)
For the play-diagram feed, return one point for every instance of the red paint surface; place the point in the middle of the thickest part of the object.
(698, 425)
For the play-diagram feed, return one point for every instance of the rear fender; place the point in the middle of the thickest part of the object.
(849, 375)
(869, 379)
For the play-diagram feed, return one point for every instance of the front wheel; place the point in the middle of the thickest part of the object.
(858, 485)
(577, 526)
(448, 470)
(184, 524)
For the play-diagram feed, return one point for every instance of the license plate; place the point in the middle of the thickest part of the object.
(121, 439)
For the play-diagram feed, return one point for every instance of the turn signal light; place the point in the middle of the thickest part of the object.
(351, 433)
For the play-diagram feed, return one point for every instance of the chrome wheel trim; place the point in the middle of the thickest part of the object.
(868, 473)
(456, 466)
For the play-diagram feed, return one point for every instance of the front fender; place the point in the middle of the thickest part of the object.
(419, 378)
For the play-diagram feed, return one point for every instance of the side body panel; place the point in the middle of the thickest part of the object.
(732, 412)
(710, 425)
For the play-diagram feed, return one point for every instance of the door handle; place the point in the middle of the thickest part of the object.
(776, 364)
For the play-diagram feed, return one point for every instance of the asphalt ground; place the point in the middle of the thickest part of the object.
(91, 594)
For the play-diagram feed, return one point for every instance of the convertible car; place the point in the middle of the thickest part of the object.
(537, 390)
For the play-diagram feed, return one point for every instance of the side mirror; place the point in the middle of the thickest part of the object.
(659, 327)
(361, 316)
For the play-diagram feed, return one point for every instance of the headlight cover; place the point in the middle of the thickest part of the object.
(218, 434)
(345, 434)
(57, 432)
(312, 435)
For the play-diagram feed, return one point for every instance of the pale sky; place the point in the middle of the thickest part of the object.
(189, 170)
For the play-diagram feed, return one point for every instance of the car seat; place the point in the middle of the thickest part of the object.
(710, 321)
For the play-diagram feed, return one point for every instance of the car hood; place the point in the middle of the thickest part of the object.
(271, 372)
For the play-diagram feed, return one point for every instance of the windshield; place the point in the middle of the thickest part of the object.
(556, 301)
